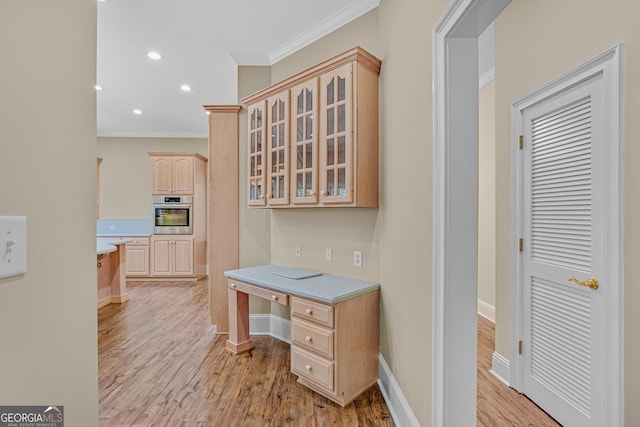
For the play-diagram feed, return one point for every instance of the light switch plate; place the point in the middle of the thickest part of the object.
(13, 246)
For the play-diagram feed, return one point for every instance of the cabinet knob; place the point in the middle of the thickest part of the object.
(260, 197)
(307, 367)
(307, 338)
(308, 311)
(269, 196)
(233, 285)
(323, 192)
(274, 298)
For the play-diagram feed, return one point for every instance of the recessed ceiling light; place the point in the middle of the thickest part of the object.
(98, 87)
(154, 55)
(137, 112)
(185, 88)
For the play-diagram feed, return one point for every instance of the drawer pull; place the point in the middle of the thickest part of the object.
(307, 367)
(307, 338)
(274, 298)
(308, 311)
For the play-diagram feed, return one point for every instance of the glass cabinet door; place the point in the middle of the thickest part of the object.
(336, 136)
(278, 149)
(256, 165)
(304, 145)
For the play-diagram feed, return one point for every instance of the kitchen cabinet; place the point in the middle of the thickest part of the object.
(172, 255)
(278, 149)
(304, 143)
(256, 149)
(137, 256)
(172, 175)
(333, 134)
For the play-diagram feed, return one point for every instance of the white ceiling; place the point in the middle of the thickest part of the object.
(202, 43)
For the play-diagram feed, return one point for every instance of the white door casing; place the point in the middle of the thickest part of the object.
(567, 206)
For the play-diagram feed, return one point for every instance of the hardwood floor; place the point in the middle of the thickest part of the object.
(499, 405)
(161, 365)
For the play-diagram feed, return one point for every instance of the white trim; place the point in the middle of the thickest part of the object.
(251, 59)
(270, 324)
(454, 195)
(487, 310)
(609, 65)
(500, 367)
(398, 406)
(487, 77)
(342, 17)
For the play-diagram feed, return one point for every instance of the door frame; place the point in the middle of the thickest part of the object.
(455, 212)
(609, 65)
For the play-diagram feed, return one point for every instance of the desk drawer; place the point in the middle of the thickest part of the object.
(246, 288)
(312, 338)
(312, 367)
(314, 311)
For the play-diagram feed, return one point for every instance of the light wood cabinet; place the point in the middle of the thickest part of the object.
(173, 175)
(137, 256)
(172, 255)
(278, 149)
(304, 143)
(334, 348)
(332, 136)
(256, 166)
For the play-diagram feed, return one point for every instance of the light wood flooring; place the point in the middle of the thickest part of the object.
(161, 365)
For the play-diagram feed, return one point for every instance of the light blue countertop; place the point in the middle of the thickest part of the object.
(105, 245)
(123, 227)
(321, 287)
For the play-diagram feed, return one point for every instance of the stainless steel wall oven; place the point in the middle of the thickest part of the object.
(173, 214)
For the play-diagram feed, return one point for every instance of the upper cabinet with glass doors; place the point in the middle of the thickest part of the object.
(330, 139)
(255, 155)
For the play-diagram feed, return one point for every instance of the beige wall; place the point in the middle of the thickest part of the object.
(48, 321)
(536, 41)
(487, 202)
(396, 237)
(125, 172)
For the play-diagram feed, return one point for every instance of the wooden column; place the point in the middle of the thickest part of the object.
(223, 208)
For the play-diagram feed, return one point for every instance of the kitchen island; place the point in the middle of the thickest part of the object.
(112, 287)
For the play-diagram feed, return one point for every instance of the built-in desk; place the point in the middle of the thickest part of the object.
(335, 325)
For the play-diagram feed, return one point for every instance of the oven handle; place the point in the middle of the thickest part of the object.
(175, 205)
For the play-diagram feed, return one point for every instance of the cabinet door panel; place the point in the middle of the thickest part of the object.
(278, 149)
(182, 175)
(336, 136)
(161, 168)
(256, 168)
(304, 144)
(137, 260)
(183, 257)
(161, 257)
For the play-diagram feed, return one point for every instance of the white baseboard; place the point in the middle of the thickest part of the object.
(487, 310)
(500, 367)
(269, 324)
(398, 406)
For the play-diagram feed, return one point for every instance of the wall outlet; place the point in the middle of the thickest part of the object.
(357, 258)
(328, 254)
(298, 251)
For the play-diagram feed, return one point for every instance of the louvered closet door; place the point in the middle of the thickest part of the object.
(563, 163)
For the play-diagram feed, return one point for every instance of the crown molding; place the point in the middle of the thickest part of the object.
(343, 17)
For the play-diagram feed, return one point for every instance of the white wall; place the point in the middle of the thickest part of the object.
(48, 320)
